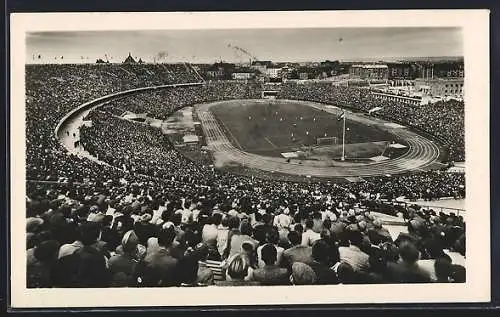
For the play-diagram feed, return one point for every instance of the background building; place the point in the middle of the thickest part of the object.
(369, 71)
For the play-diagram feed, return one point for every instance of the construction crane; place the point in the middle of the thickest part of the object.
(239, 50)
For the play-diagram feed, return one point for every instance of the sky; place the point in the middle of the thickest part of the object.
(208, 46)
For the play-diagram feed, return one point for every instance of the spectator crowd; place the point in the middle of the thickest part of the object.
(443, 120)
(150, 217)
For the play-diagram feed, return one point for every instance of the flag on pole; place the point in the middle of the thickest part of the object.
(341, 116)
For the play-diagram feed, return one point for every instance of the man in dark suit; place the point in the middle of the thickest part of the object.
(270, 274)
(297, 253)
(321, 253)
(160, 265)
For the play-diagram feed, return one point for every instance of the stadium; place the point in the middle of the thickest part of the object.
(156, 175)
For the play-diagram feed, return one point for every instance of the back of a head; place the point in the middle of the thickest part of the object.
(273, 236)
(302, 274)
(246, 228)
(320, 251)
(225, 221)
(298, 228)
(130, 242)
(89, 232)
(46, 250)
(238, 267)
(247, 247)
(434, 248)
(267, 218)
(408, 252)
(443, 267)
(458, 273)
(346, 273)
(327, 224)
(269, 254)
(166, 236)
(216, 219)
(355, 238)
(187, 270)
(233, 222)
(309, 223)
(294, 238)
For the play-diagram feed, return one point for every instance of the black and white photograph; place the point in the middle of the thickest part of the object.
(183, 159)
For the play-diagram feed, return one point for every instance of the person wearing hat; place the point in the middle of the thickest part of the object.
(122, 265)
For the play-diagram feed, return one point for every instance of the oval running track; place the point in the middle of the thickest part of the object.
(421, 151)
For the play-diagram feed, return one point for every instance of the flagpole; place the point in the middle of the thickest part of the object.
(343, 139)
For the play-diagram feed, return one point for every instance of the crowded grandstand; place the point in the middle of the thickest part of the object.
(141, 214)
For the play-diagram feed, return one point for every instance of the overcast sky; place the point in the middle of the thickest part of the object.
(265, 44)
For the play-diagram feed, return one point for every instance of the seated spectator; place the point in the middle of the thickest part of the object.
(40, 272)
(237, 237)
(302, 274)
(222, 235)
(160, 265)
(92, 270)
(205, 274)
(237, 270)
(352, 255)
(122, 266)
(443, 269)
(309, 236)
(297, 253)
(186, 272)
(210, 230)
(270, 274)
(406, 270)
(378, 234)
(272, 238)
(321, 264)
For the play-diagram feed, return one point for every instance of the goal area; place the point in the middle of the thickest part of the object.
(331, 140)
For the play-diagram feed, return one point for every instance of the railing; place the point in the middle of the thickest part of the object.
(425, 206)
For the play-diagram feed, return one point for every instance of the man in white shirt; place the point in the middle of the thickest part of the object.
(309, 236)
